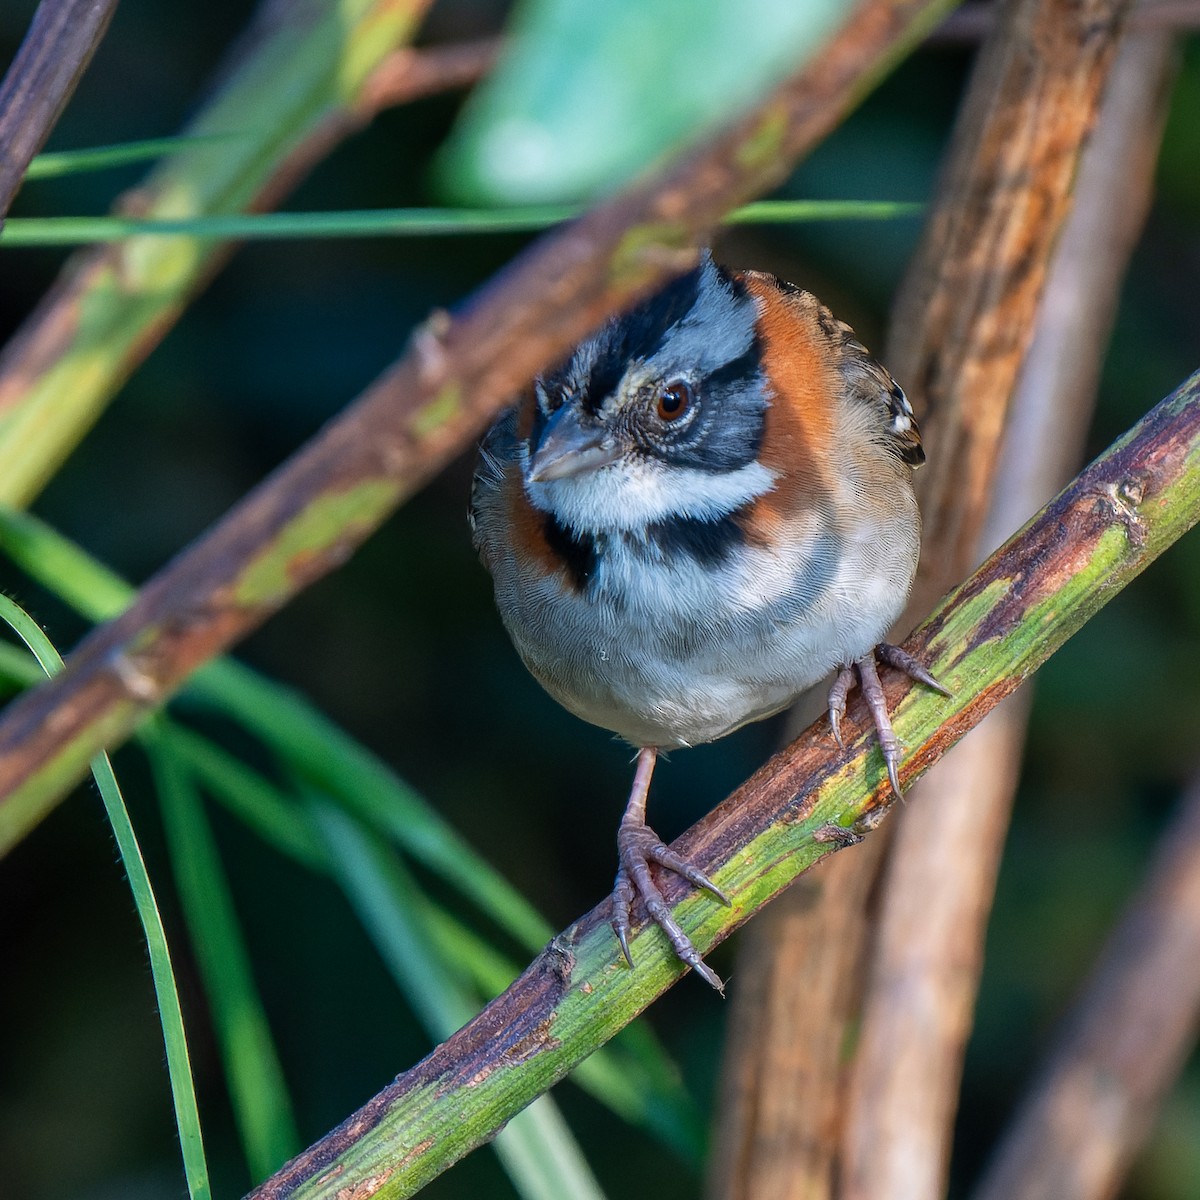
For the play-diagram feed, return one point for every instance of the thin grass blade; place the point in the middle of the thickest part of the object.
(183, 1088)
(56, 163)
(262, 1106)
(399, 222)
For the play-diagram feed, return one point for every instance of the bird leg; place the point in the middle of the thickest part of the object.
(868, 678)
(637, 847)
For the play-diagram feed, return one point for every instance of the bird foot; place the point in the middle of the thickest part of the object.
(638, 846)
(866, 672)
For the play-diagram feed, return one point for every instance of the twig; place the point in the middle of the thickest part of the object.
(1123, 1044)
(315, 510)
(60, 43)
(409, 74)
(960, 330)
(928, 948)
(986, 639)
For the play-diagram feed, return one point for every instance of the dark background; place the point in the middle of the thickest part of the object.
(402, 647)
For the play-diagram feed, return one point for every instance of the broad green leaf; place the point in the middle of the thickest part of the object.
(587, 94)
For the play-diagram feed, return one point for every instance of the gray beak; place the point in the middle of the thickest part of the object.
(568, 448)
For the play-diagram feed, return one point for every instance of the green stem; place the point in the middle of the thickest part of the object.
(399, 222)
(983, 641)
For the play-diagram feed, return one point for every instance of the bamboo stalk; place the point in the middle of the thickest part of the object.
(937, 890)
(959, 332)
(298, 76)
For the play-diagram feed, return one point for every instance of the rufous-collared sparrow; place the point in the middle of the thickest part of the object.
(706, 509)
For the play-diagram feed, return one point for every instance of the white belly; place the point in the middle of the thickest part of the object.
(681, 655)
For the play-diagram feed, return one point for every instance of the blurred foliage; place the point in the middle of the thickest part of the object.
(402, 648)
(585, 94)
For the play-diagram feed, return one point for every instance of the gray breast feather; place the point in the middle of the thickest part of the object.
(690, 653)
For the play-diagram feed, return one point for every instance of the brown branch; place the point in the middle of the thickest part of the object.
(60, 43)
(315, 510)
(410, 75)
(937, 893)
(958, 337)
(1002, 201)
(1123, 1044)
(984, 640)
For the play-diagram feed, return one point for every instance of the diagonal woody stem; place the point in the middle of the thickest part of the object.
(936, 895)
(60, 43)
(983, 641)
(305, 519)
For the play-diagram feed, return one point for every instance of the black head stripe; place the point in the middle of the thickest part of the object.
(597, 367)
(734, 400)
(638, 335)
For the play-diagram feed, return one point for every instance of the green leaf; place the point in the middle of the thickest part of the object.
(636, 1080)
(261, 1104)
(183, 1088)
(103, 158)
(586, 95)
(259, 804)
(399, 222)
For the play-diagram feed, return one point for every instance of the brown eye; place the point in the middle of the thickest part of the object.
(674, 400)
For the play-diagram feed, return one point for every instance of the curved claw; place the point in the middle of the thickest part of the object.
(622, 900)
(889, 743)
(637, 847)
(872, 689)
(837, 702)
(662, 854)
(894, 656)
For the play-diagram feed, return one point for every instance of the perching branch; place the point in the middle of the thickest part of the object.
(60, 43)
(313, 512)
(983, 641)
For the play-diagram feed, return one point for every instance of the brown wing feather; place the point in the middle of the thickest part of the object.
(867, 381)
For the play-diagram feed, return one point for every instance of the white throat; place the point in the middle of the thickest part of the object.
(632, 495)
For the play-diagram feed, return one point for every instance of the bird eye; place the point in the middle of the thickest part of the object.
(674, 400)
